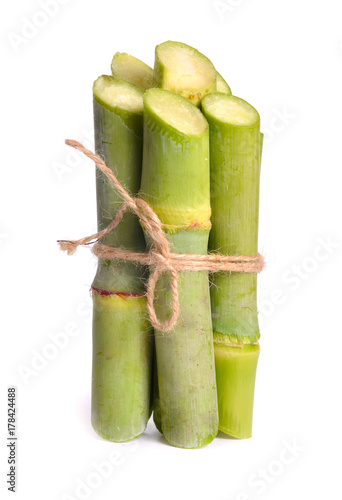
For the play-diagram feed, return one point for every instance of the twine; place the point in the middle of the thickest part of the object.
(160, 259)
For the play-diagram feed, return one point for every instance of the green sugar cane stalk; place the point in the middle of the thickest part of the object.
(175, 182)
(122, 335)
(235, 170)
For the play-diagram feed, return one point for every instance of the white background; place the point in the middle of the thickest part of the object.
(285, 58)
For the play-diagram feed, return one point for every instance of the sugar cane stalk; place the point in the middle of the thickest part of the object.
(175, 182)
(122, 336)
(235, 170)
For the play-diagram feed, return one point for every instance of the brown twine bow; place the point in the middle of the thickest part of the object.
(160, 257)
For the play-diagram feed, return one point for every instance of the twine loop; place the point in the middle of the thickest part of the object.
(159, 258)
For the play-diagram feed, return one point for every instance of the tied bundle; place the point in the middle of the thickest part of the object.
(177, 188)
(159, 258)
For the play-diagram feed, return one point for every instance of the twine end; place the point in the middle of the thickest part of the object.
(72, 143)
(67, 246)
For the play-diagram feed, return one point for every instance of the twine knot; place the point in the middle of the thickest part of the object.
(160, 259)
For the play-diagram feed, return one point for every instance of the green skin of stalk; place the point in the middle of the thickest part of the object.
(118, 139)
(186, 367)
(155, 398)
(122, 335)
(122, 352)
(235, 170)
(222, 85)
(179, 194)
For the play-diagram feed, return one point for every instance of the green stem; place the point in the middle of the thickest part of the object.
(235, 171)
(175, 182)
(122, 336)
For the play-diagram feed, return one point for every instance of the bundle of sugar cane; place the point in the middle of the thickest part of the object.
(176, 135)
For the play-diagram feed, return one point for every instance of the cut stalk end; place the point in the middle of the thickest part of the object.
(176, 112)
(114, 93)
(132, 70)
(183, 70)
(229, 109)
